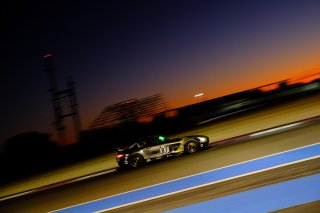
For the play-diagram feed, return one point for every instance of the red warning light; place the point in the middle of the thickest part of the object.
(48, 55)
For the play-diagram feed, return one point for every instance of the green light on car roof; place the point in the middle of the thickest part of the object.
(161, 138)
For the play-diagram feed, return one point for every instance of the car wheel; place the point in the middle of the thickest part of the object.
(191, 146)
(136, 160)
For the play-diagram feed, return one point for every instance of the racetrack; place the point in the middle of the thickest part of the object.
(224, 188)
(292, 111)
(260, 119)
(118, 182)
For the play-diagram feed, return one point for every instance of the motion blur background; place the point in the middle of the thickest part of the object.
(143, 64)
(120, 50)
(79, 79)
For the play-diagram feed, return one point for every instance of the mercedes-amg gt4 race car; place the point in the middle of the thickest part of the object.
(159, 147)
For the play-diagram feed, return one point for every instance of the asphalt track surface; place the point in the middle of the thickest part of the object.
(312, 207)
(233, 126)
(119, 182)
(260, 119)
(275, 193)
(244, 123)
(225, 188)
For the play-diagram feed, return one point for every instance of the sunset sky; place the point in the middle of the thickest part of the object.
(117, 50)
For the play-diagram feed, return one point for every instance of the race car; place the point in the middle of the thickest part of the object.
(158, 147)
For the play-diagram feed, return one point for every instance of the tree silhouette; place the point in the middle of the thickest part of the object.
(30, 143)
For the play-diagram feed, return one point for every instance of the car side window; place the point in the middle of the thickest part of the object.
(142, 144)
(154, 143)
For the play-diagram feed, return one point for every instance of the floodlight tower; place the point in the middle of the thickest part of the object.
(74, 106)
(55, 98)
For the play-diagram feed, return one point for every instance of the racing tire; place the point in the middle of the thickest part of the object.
(136, 160)
(191, 146)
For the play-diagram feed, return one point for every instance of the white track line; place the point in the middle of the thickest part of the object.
(275, 129)
(41, 188)
(97, 174)
(187, 177)
(207, 184)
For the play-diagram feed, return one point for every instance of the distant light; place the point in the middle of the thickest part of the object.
(198, 95)
(48, 55)
(130, 101)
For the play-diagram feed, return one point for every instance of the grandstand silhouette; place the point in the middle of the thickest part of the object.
(130, 111)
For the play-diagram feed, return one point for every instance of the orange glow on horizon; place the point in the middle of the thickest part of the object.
(305, 79)
(269, 81)
(177, 100)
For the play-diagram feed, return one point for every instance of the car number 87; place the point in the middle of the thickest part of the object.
(164, 149)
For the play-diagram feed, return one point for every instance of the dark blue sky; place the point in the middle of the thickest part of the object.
(118, 50)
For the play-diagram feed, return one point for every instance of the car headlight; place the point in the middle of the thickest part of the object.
(202, 139)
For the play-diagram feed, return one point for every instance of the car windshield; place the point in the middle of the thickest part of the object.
(153, 140)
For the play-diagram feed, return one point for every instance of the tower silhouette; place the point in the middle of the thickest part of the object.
(56, 96)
